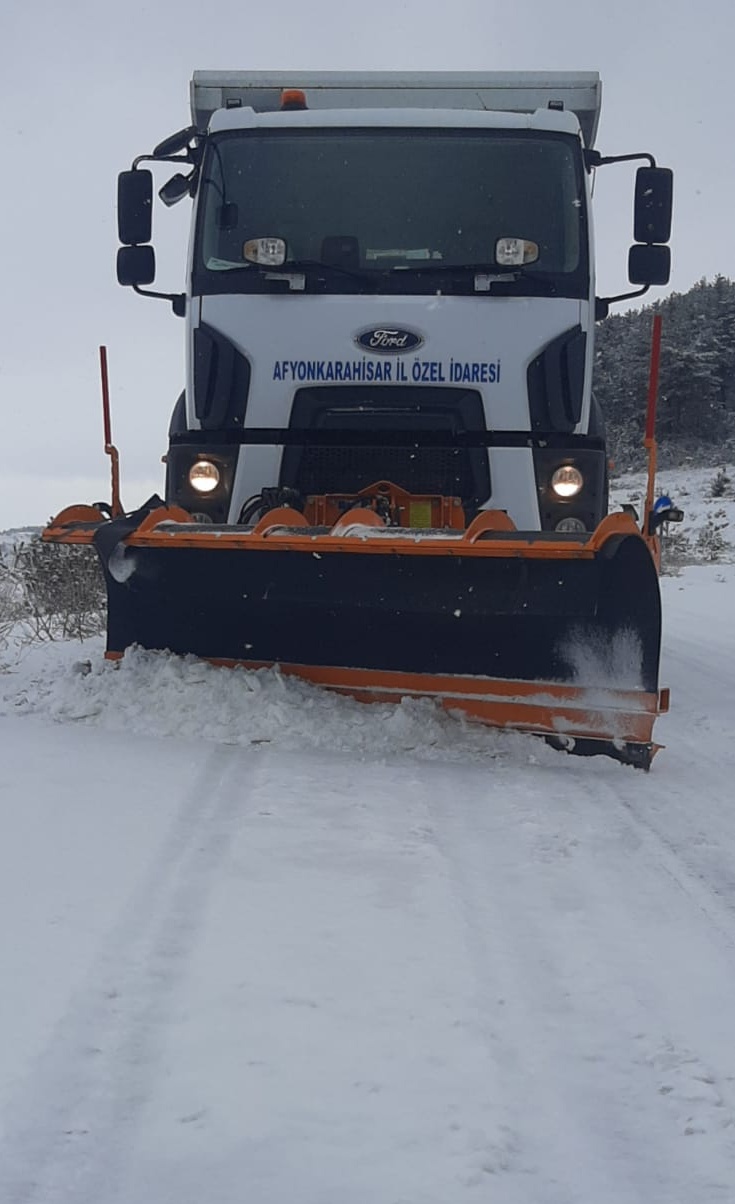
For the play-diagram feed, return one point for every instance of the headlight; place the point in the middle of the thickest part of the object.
(204, 476)
(571, 524)
(567, 481)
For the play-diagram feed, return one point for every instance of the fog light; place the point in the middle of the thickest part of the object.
(570, 524)
(567, 481)
(204, 476)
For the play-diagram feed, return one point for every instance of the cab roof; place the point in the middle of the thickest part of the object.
(493, 93)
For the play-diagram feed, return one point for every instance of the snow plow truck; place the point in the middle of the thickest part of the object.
(387, 472)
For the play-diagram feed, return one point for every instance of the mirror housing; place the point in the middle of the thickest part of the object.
(175, 189)
(134, 207)
(174, 143)
(136, 265)
(654, 191)
(228, 215)
(649, 264)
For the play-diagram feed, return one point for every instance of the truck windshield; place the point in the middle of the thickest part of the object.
(392, 201)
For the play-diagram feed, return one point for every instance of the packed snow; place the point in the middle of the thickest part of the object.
(264, 943)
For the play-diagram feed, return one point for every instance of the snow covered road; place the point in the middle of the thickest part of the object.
(266, 946)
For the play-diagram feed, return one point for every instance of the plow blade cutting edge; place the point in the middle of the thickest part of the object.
(537, 632)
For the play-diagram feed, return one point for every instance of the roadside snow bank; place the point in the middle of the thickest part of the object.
(157, 694)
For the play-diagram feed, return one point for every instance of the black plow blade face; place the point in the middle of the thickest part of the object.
(568, 646)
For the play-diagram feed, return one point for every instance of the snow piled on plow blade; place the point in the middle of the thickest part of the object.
(159, 694)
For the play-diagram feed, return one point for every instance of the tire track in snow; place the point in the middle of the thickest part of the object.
(378, 1087)
(708, 897)
(695, 1069)
(525, 998)
(73, 1121)
(696, 808)
(603, 1074)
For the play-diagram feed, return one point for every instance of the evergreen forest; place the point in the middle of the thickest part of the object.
(696, 410)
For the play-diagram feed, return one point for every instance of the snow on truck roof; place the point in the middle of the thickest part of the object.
(516, 92)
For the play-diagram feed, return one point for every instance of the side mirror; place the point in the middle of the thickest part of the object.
(654, 190)
(134, 207)
(175, 142)
(175, 189)
(649, 264)
(136, 265)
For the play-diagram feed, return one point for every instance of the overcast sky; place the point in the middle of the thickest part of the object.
(88, 85)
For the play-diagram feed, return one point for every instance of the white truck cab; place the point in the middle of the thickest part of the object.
(390, 278)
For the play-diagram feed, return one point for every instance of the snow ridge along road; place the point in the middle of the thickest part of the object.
(261, 943)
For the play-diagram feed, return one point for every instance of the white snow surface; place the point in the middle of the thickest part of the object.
(262, 943)
(689, 488)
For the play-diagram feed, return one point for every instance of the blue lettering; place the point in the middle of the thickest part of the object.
(424, 371)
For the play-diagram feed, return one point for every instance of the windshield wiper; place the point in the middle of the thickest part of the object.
(303, 267)
(307, 265)
(293, 273)
(493, 271)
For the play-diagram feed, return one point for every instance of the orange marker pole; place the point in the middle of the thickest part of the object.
(110, 448)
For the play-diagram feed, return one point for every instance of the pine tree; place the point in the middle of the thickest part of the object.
(697, 383)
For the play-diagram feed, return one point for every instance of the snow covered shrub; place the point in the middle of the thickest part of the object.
(720, 485)
(10, 600)
(676, 551)
(63, 590)
(711, 544)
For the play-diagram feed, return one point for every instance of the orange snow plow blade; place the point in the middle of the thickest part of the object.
(532, 631)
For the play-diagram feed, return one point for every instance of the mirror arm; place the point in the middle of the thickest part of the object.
(602, 304)
(178, 300)
(593, 158)
(189, 157)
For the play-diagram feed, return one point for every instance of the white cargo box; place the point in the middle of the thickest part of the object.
(505, 92)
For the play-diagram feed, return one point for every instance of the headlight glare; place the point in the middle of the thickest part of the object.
(567, 481)
(204, 476)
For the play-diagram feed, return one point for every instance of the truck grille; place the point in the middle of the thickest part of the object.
(418, 470)
(447, 470)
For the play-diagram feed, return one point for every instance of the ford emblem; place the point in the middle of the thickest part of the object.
(389, 340)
